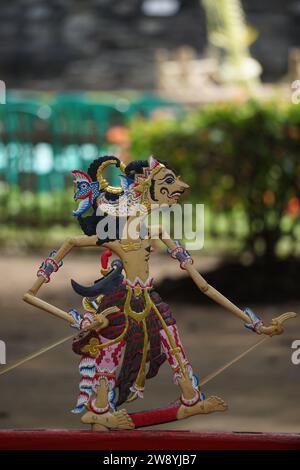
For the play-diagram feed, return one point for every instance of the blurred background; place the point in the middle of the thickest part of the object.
(212, 88)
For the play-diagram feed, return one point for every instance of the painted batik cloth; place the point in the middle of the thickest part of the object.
(130, 348)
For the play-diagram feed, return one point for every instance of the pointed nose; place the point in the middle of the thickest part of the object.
(184, 185)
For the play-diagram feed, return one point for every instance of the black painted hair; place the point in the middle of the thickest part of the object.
(92, 169)
(136, 167)
(89, 223)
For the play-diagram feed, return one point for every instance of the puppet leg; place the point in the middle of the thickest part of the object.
(101, 409)
(186, 379)
(192, 399)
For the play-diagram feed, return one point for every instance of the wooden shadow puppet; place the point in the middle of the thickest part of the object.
(126, 325)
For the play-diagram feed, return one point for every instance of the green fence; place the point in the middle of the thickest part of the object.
(44, 137)
(242, 162)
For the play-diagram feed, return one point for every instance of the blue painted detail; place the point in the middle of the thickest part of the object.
(77, 317)
(195, 381)
(52, 254)
(87, 371)
(78, 409)
(112, 399)
(253, 317)
(86, 193)
(126, 182)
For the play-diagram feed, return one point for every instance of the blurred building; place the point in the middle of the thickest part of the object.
(109, 44)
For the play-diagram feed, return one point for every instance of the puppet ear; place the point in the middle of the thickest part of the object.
(152, 162)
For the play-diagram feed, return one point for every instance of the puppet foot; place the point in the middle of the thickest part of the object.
(106, 421)
(98, 428)
(209, 405)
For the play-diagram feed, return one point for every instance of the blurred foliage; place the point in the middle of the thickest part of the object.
(44, 137)
(35, 210)
(242, 158)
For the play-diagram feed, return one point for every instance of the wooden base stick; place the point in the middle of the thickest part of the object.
(219, 371)
(95, 325)
(34, 355)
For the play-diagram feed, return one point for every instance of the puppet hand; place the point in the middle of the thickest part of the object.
(276, 328)
(100, 318)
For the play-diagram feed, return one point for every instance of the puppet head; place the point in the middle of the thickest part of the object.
(143, 183)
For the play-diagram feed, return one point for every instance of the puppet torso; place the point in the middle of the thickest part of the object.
(135, 256)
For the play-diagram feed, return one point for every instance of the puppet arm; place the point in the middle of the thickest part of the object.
(52, 264)
(250, 319)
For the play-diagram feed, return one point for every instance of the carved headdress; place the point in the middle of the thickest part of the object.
(93, 190)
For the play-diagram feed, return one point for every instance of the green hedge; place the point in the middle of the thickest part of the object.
(241, 160)
(237, 157)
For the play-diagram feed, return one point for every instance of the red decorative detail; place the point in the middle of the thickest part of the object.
(146, 440)
(156, 416)
(100, 356)
(98, 411)
(84, 196)
(81, 174)
(115, 353)
(53, 263)
(192, 401)
(177, 340)
(109, 375)
(42, 273)
(104, 258)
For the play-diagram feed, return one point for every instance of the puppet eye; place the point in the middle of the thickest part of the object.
(169, 180)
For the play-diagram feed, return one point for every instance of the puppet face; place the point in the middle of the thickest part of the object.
(166, 187)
